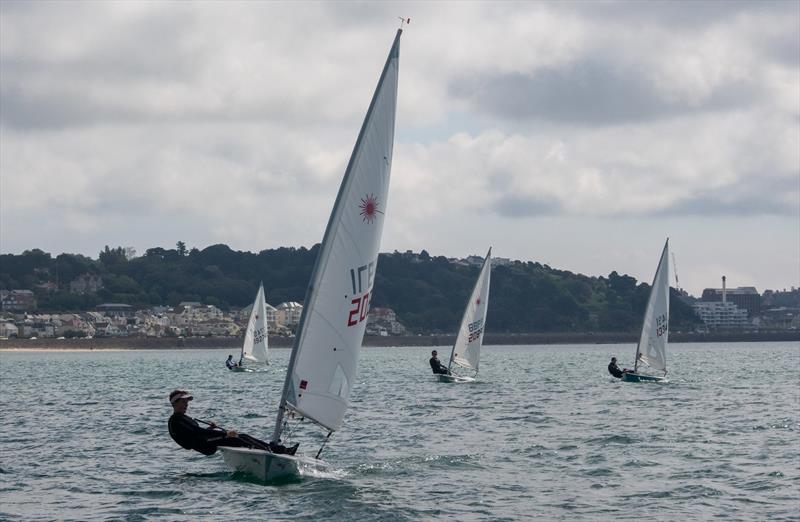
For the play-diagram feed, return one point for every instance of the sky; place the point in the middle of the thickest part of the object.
(576, 134)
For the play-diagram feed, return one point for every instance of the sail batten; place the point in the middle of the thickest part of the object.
(324, 359)
(467, 346)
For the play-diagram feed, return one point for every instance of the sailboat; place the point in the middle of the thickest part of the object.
(324, 358)
(467, 347)
(256, 342)
(652, 348)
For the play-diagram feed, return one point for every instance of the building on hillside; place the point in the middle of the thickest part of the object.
(109, 329)
(18, 301)
(73, 324)
(35, 326)
(383, 321)
(8, 329)
(115, 310)
(721, 316)
(187, 314)
(288, 314)
(94, 317)
(745, 297)
(48, 286)
(272, 315)
(86, 284)
(781, 318)
(214, 329)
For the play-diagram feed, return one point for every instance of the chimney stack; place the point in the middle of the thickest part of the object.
(724, 292)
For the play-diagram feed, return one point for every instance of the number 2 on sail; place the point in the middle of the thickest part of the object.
(359, 276)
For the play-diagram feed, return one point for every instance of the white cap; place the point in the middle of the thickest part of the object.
(178, 395)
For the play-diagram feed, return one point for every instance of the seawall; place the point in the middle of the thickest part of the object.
(168, 343)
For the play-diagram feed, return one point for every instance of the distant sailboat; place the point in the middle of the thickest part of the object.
(256, 339)
(467, 348)
(652, 348)
(324, 358)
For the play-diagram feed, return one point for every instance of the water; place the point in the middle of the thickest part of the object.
(545, 433)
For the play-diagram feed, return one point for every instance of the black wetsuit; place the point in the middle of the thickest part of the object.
(614, 370)
(189, 435)
(438, 367)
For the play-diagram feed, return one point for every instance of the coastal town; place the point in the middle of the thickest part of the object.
(188, 319)
(720, 309)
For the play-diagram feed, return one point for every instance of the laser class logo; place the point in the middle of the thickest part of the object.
(369, 208)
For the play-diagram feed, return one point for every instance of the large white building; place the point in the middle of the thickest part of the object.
(721, 315)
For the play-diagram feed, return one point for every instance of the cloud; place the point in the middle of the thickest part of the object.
(736, 164)
(700, 14)
(588, 92)
(147, 123)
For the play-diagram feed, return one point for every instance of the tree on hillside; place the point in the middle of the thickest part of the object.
(112, 256)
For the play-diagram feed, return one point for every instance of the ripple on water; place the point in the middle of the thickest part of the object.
(519, 444)
(607, 440)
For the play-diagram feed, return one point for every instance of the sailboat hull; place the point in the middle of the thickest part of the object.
(453, 378)
(637, 377)
(266, 466)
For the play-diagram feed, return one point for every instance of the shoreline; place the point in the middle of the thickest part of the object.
(226, 343)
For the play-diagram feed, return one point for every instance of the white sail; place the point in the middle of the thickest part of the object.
(652, 349)
(256, 342)
(323, 364)
(467, 348)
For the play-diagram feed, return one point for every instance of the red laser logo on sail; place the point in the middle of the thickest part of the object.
(369, 208)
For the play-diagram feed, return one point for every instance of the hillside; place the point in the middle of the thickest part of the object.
(427, 293)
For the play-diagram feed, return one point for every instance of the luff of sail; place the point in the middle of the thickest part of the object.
(323, 363)
(256, 341)
(652, 349)
(467, 348)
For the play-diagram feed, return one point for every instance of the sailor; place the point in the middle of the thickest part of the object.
(189, 435)
(436, 364)
(613, 369)
(230, 363)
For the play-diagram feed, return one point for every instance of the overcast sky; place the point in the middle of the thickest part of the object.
(577, 134)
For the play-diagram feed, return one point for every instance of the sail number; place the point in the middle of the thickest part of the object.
(361, 279)
(259, 335)
(475, 330)
(661, 325)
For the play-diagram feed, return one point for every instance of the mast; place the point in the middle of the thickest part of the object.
(320, 265)
(647, 306)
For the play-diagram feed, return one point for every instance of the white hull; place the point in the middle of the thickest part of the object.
(453, 378)
(267, 466)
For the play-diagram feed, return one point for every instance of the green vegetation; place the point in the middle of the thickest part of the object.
(427, 293)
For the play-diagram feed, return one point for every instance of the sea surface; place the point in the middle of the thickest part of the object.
(545, 433)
